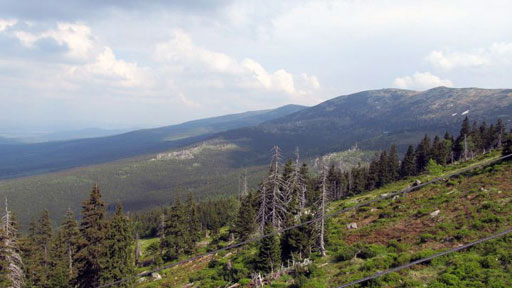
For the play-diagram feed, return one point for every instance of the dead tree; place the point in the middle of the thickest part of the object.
(10, 251)
(321, 204)
(272, 196)
(296, 184)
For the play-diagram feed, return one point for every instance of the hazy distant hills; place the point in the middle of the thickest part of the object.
(29, 159)
(374, 119)
(207, 157)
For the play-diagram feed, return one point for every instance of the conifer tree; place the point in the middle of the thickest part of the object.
(119, 262)
(43, 242)
(423, 154)
(273, 197)
(245, 222)
(408, 165)
(384, 175)
(192, 223)
(320, 213)
(269, 251)
(91, 245)
(393, 164)
(373, 174)
(499, 133)
(507, 146)
(10, 259)
(174, 240)
(64, 247)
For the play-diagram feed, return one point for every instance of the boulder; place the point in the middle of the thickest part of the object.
(435, 213)
(155, 276)
(352, 225)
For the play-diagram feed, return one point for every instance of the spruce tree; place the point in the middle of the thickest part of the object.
(507, 146)
(43, 241)
(423, 154)
(63, 249)
(119, 261)
(393, 164)
(245, 222)
(174, 240)
(193, 224)
(91, 245)
(408, 165)
(269, 251)
(384, 175)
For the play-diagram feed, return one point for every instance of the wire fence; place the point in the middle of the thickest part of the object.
(279, 231)
(382, 273)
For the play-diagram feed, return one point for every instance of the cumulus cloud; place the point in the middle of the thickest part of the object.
(123, 73)
(76, 37)
(421, 81)
(247, 73)
(6, 23)
(497, 53)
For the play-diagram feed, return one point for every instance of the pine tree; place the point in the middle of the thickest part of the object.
(91, 246)
(174, 240)
(64, 248)
(423, 154)
(507, 146)
(44, 237)
(408, 165)
(393, 164)
(484, 136)
(269, 251)
(384, 175)
(10, 259)
(499, 133)
(373, 174)
(460, 148)
(192, 223)
(119, 262)
(245, 222)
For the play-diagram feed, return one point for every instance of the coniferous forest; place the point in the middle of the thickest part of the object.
(97, 248)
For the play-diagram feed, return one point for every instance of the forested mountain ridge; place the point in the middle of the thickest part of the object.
(375, 119)
(30, 159)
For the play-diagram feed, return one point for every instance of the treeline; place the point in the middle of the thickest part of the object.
(94, 251)
(101, 249)
(290, 194)
(386, 167)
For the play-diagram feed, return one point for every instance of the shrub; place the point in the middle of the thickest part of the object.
(346, 253)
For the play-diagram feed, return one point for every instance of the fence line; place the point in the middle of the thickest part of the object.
(387, 196)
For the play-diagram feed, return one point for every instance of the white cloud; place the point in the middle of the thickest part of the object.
(247, 73)
(496, 54)
(421, 81)
(114, 70)
(6, 23)
(77, 38)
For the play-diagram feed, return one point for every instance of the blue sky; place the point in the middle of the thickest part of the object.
(114, 64)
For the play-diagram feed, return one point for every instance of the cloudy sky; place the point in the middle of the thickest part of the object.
(75, 64)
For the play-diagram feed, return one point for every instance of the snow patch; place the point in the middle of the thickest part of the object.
(465, 112)
(454, 114)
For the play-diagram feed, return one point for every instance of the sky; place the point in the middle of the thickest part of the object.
(123, 64)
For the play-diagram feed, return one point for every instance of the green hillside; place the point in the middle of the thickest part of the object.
(389, 233)
(206, 170)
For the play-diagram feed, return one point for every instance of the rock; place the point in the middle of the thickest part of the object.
(385, 195)
(155, 276)
(352, 225)
(435, 213)
(416, 183)
(396, 197)
(141, 280)
(483, 189)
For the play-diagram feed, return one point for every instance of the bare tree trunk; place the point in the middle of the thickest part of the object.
(322, 211)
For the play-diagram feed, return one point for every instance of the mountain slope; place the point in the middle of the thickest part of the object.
(374, 119)
(29, 159)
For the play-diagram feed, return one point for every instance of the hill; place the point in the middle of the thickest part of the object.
(30, 159)
(388, 233)
(374, 119)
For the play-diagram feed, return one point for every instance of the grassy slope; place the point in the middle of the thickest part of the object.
(393, 232)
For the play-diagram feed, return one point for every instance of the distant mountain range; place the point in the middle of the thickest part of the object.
(145, 168)
(29, 159)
